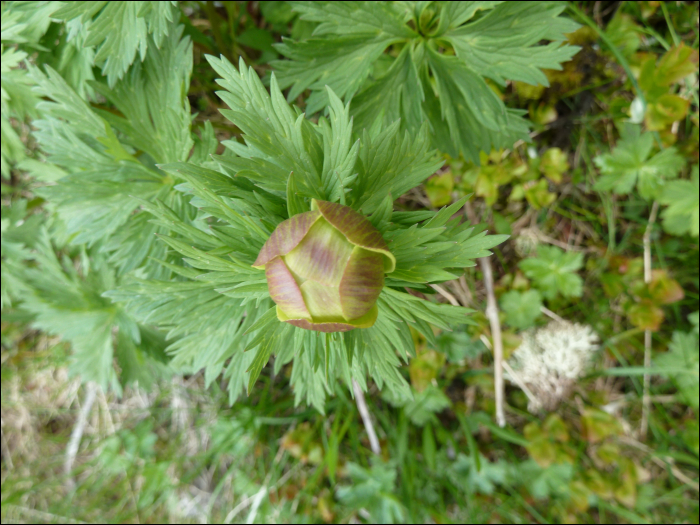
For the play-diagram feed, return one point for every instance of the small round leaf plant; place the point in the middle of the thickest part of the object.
(311, 205)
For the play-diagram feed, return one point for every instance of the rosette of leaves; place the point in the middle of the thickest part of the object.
(419, 61)
(219, 312)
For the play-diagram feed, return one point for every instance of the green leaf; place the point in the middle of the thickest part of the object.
(598, 425)
(120, 29)
(683, 353)
(683, 200)
(522, 309)
(554, 164)
(623, 33)
(676, 64)
(425, 405)
(439, 189)
(264, 321)
(347, 52)
(479, 475)
(295, 204)
(538, 194)
(630, 164)
(553, 272)
(349, 38)
(373, 490)
(646, 315)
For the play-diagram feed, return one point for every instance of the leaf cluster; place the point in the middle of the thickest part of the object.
(427, 61)
(221, 313)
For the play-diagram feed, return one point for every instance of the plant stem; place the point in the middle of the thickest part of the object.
(366, 419)
(646, 399)
(492, 314)
(214, 18)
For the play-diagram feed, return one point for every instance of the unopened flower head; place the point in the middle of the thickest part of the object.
(550, 359)
(325, 268)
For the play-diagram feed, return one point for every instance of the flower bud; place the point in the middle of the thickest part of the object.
(325, 268)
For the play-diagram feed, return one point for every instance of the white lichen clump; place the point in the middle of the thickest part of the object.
(550, 360)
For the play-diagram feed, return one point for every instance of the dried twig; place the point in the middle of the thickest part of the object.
(77, 433)
(536, 403)
(447, 295)
(664, 462)
(257, 497)
(546, 311)
(492, 314)
(646, 400)
(366, 419)
(6, 450)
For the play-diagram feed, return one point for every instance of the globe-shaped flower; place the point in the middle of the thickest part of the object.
(325, 268)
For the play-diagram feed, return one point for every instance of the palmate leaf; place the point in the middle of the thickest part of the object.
(631, 163)
(554, 272)
(683, 199)
(494, 40)
(683, 353)
(373, 490)
(120, 29)
(521, 308)
(69, 304)
(105, 171)
(220, 316)
(21, 30)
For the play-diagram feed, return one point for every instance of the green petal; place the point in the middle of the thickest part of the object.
(364, 322)
(357, 229)
(323, 302)
(284, 290)
(321, 256)
(286, 237)
(362, 283)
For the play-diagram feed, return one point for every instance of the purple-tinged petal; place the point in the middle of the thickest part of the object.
(284, 290)
(364, 322)
(321, 327)
(362, 283)
(357, 229)
(286, 237)
(321, 256)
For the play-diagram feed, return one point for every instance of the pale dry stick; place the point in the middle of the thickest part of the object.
(36, 515)
(546, 311)
(257, 500)
(492, 315)
(564, 246)
(6, 450)
(366, 419)
(516, 379)
(646, 400)
(250, 499)
(447, 295)
(463, 292)
(111, 429)
(514, 375)
(108, 415)
(664, 462)
(77, 433)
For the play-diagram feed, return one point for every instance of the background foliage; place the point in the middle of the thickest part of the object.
(145, 142)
